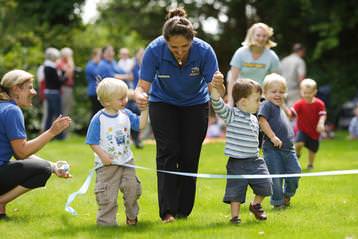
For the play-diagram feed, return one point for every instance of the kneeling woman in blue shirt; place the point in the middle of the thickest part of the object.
(28, 171)
(176, 70)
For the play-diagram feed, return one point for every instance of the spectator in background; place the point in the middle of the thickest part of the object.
(53, 83)
(135, 135)
(91, 77)
(353, 125)
(137, 64)
(40, 74)
(254, 60)
(293, 69)
(67, 67)
(125, 62)
(107, 67)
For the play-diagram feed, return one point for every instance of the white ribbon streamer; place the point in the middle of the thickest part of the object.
(87, 182)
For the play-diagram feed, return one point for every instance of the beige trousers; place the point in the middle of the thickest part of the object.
(109, 180)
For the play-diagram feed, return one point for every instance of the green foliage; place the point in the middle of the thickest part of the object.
(325, 28)
(324, 207)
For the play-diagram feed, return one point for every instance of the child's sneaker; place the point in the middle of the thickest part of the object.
(131, 222)
(286, 201)
(279, 207)
(258, 211)
(235, 220)
(309, 167)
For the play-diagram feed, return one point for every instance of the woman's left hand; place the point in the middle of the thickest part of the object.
(60, 124)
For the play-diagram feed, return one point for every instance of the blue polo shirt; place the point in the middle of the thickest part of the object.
(181, 86)
(91, 74)
(108, 69)
(12, 127)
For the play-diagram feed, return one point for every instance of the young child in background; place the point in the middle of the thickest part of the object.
(311, 116)
(242, 146)
(278, 144)
(109, 136)
(353, 125)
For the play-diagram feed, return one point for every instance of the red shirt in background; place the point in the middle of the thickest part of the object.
(308, 115)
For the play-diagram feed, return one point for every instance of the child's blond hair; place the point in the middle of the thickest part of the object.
(274, 78)
(308, 83)
(109, 88)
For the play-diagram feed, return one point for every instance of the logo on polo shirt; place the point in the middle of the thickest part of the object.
(164, 76)
(195, 71)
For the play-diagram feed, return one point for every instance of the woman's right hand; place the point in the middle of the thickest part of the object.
(141, 99)
(60, 124)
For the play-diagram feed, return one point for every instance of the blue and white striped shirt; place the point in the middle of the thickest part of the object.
(242, 131)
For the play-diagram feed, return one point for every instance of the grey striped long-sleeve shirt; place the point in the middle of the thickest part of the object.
(242, 131)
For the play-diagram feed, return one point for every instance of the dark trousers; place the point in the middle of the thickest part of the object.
(29, 173)
(95, 104)
(179, 133)
(135, 135)
(54, 109)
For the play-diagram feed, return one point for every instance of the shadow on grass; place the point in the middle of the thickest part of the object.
(70, 230)
(188, 225)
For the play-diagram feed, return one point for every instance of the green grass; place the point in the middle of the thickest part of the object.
(324, 207)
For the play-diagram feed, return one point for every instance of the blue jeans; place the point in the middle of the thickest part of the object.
(282, 161)
(54, 109)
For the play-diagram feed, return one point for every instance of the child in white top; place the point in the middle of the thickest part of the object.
(109, 137)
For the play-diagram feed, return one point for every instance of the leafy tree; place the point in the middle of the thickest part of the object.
(325, 28)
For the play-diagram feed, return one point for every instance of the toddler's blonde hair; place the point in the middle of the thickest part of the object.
(110, 87)
(308, 83)
(273, 78)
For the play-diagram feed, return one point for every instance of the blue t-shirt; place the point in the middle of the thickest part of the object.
(181, 86)
(12, 127)
(108, 69)
(135, 72)
(91, 74)
(278, 122)
(255, 69)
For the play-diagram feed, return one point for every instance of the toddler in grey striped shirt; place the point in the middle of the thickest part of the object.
(242, 145)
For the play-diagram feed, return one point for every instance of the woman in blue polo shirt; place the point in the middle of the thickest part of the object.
(176, 71)
(28, 171)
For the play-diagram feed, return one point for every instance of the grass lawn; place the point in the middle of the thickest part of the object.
(324, 207)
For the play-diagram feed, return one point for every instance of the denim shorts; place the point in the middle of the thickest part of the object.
(309, 143)
(236, 188)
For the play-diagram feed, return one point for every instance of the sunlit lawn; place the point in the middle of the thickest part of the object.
(324, 207)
